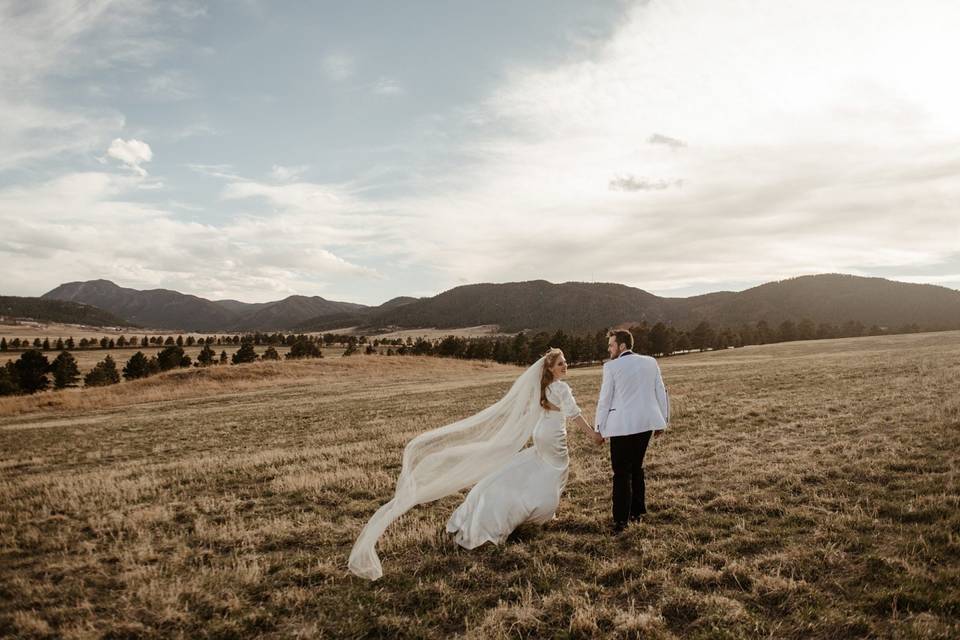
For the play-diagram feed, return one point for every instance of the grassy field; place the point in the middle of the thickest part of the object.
(804, 490)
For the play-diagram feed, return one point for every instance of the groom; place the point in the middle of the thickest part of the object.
(633, 404)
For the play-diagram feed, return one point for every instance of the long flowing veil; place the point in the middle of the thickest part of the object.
(451, 458)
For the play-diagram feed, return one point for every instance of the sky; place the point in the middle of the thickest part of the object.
(365, 150)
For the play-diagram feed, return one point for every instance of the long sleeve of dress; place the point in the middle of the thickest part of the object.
(568, 406)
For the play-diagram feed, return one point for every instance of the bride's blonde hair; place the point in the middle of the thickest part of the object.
(547, 376)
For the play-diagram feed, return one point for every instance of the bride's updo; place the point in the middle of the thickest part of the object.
(546, 377)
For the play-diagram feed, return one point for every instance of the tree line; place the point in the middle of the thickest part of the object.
(32, 371)
(658, 340)
(29, 373)
(122, 342)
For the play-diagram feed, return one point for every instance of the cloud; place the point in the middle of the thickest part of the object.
(337, 66)
(65, 39)
(812, 154)
(169, 86)
(132, 153)
(630, 183)
(673, 143)
(287, 174)
(93, 222)
(387, 87)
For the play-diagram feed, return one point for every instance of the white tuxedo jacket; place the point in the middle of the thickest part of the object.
(632, 397)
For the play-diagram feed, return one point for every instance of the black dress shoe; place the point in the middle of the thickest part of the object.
(618, 527)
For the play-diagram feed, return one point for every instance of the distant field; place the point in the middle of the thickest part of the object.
(25, 329)
(432, 333)
(804, 490)
(53, 331)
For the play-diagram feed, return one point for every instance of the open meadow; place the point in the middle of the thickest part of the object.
(804, 490)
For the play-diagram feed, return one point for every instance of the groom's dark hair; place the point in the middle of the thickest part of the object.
(623, 337)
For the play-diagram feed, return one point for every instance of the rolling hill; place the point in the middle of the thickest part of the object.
(58, 311)
(577, 306)
(538, 304)
(166, 309)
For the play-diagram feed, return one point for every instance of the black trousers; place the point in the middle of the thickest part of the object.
(626, 457)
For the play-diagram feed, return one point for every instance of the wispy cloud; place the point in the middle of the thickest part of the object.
(280, 173)
(337, 66)
(387, 87)
(246, 256)
(631, 183)
(132, 153)
(169, 86)
(673, 143)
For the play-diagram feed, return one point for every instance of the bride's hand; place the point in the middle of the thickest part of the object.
(597, 438)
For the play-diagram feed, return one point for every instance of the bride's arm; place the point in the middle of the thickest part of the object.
(591, 433)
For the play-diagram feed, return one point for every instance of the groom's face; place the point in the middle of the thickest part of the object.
(613, 348)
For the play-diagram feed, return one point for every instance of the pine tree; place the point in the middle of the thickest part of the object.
(206, 357)
(59, 344)
(661, 340)
(703, 336)
(245, 354)
(31, 369)
(171, 357)
(270, 354)
(46, 344)
(3, 344)
(137, 367)
(65, 371)
(9, 380)
(70, 343)
(304, 348)
(788, 331)
(103, 373)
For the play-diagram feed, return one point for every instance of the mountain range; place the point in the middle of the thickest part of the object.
(538, 304)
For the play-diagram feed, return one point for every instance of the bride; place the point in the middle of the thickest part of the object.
(512, 486)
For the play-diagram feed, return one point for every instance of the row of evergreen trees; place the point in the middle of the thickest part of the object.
(121, 342)
(658, 340)
(29, 373)
(703, 336)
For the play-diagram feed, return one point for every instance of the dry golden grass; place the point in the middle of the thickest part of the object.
(805, 490)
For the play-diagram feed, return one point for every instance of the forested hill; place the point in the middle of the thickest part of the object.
(573, 306)
(516, 306)
(167, 309)
(58, 311)
(538, 304)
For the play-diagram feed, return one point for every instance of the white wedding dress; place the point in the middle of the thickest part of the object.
(527, 488)
(511, 485)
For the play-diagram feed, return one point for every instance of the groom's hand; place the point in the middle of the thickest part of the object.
(597, 438)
